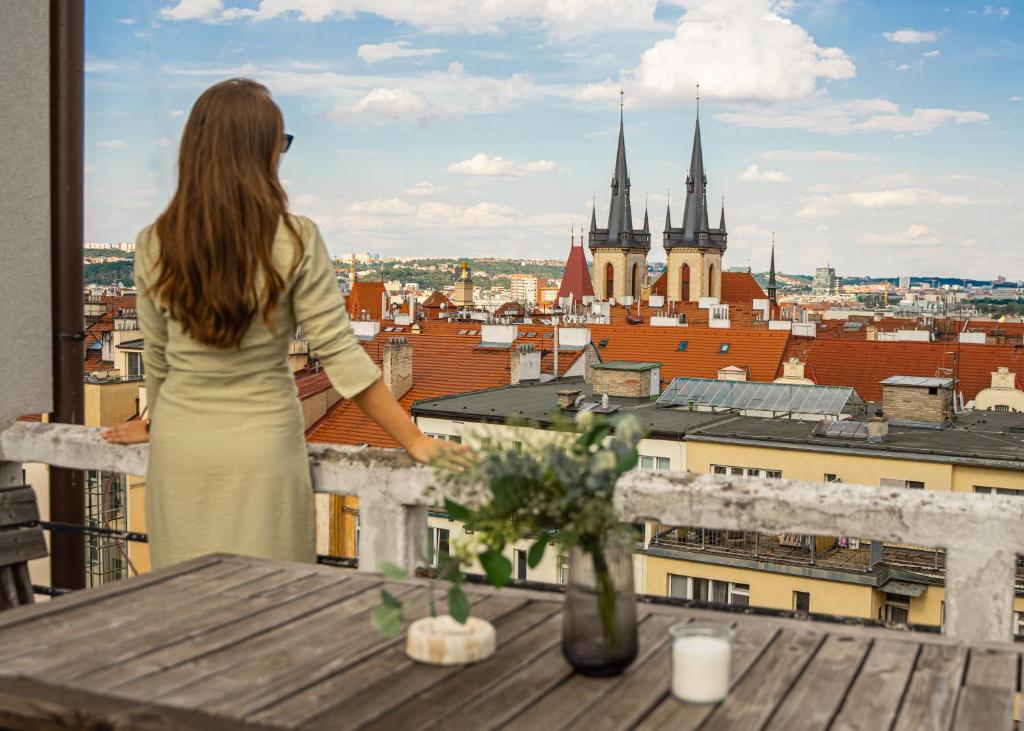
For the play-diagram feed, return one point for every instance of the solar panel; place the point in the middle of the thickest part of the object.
(753, 396)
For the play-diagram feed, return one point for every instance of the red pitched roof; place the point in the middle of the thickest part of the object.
(862, 364)
(310, 383)
(367, 296)
(760, 350)
(741, 287)
(576, 277)
(442, 363)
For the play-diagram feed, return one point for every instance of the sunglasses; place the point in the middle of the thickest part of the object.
(287, 142)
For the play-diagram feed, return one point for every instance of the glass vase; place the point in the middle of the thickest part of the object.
(599, 625)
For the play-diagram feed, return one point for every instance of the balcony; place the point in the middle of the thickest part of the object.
(980, 534)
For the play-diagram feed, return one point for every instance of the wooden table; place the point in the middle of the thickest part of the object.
(226, 642)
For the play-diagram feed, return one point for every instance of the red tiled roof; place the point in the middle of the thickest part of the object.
(510, 309)
(862, 364)
(737, 288)
(436, 300)
(94, 362)
(367, 296)
(741, 287)
(760, 350)
(31, 417)
(576, 277)
(310, 383)
(443, 364)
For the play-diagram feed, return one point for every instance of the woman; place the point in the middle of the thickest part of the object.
(224, 276)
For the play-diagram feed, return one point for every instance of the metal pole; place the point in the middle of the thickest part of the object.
(67, 489)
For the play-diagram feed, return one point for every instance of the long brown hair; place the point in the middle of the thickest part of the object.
(217, 234)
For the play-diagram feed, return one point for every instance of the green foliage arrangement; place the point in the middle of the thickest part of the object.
(553, 492)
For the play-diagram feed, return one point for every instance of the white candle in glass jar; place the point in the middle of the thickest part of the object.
(701, 656)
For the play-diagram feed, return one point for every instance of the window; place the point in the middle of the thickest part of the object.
(1002, 408)
(724, 348)
(998, 491)
(685, 277)
(829, 477)
(708, 590)
(682, 345)
(718, 469)
(1018, 624)
(603, 343)
(896, 609)
(520, 564)
(654, 463)
(911, 484)
(438, 544)
(801, 601)
(135, 367)
(739, 595)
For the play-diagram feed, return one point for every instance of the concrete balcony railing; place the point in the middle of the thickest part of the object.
(981, 534)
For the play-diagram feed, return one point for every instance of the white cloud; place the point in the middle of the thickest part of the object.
(484, 165)
(389, 104)
(931, 54)
(207, 11)
(735, 49)
(127, 21)
(916, 234)
(1001, 11)
(425, 188)
(92, 67)
(177, 113)
(857, 115)
(909, 36)
(559, 17)
(114, 144)
(1016, 98)
(383, 214)
(833, 204)
(376, 52)
(162, 142)
(810, 156)
(754, 175)
(903, 67)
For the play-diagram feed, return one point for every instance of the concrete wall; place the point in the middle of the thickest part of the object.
(107, 404)
(25, 209)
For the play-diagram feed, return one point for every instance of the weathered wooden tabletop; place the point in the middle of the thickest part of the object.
(227, 642)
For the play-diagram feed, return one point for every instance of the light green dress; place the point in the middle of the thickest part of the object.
(227, 455)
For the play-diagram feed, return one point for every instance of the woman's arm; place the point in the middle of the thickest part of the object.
(378, 403)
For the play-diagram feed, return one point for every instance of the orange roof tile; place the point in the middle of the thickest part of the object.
(741, 287)
(443, 364)
(760, 350)
(310, 383)
(368, 296)
(862, 364)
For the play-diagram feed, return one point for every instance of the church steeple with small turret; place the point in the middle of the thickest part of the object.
(619, 251)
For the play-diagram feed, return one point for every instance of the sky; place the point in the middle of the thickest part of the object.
(882, 138)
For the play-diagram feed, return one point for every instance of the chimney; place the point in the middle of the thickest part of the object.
(1002, 378)
(398, 366)
(793, 368)
(918, 399)
(732, 373)
(627, 379)
(878, 428)
(524, 364)
(567, 398)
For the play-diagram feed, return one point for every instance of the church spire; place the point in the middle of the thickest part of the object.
(772, 289)
(647, 225)
(695, 210)
(620, 216)
(593, 216)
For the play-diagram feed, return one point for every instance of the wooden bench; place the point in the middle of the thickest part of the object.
(21, 540)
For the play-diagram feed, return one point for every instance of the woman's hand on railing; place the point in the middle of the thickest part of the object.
(427, 450)
(135, 431)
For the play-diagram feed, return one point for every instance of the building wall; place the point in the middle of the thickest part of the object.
(624, 383)
(107, 404)
(767, 589)
(622, 262)
(25, 325)
(138, 553)
(808, 465)
(703, 281)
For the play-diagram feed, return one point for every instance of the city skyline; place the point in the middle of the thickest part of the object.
(877, 139)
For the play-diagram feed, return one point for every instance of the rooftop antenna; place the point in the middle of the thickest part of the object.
(622, 95)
